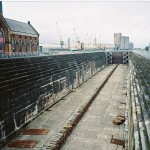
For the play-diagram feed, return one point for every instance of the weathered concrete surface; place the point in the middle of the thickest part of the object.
(30, 85)
(95, 129)
(60, 113)
(139, 101)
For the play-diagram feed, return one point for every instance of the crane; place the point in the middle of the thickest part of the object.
(95, 41)
(90, 38)
(60, 37)
(77, 42)
(86, 40)
(99, 43)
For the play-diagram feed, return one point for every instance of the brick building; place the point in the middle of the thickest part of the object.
(16, 36)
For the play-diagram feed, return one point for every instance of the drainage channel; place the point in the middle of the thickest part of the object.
(44, 124)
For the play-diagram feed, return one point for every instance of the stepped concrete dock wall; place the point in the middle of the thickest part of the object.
(30, 85)
(138, 104)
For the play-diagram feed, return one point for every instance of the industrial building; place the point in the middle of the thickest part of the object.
(131, 45)
(47, 47)
(16, 36)
(107, 46)
(117, 40)
(122, 42)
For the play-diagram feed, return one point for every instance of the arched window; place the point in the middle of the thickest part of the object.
(1, 41)
(19, 44)
(35, 45)
(30, 46)
(25, 45)
(13, 42)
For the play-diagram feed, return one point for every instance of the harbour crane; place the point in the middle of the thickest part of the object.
(86, 41)
(60, 37)
(95, 41)
(77, 42)
(99, 43)
(90, 38)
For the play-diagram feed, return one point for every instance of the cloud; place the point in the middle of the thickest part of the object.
(101, 18)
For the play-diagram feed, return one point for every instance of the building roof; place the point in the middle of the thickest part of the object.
(17, 26)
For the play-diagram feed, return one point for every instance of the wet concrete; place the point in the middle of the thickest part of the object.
(95, 130)
(60, 113)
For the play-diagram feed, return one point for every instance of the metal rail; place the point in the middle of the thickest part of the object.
(10, 55)
(143, 53)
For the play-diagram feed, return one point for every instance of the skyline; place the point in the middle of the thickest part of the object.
(100, 18)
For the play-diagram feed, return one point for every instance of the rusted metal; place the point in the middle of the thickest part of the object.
(23, 143)
(122, 118)
(117, 121)
(35, 131)
(117, 141)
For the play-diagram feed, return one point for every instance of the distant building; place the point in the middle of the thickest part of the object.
(131, 45)
(47, 47)
(117, 40)
(107, 46)
(82, 46)
(121, 42)
(124, 43)
(17, 36)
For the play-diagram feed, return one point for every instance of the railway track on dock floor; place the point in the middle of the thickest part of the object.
(52, 128)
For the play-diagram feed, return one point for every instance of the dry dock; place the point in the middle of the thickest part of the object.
(95, 129)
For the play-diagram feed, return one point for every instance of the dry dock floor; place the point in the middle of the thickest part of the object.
(95, 129)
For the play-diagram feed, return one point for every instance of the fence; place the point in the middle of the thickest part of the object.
(9, 55)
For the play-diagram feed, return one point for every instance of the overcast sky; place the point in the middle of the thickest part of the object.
(101, 18)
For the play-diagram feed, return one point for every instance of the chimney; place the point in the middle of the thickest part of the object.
(68, 43)
(1, 7)
(28, 22)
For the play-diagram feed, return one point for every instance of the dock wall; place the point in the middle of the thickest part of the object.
(139, 103)
(30, 85)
